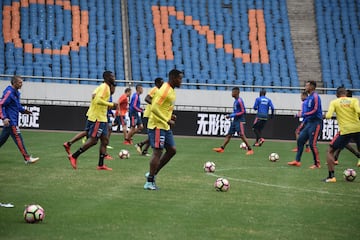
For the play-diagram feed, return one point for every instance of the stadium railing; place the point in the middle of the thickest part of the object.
(131, 83)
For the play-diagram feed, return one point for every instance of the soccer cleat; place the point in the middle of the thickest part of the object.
(330, 180)
(103, 167)
(108, 157)
(138, 148)
(109, 147)
(307, 150)
(219, 150)
(127, 142)
(314, 166)
(150, 186)
(67, 147)
(294, 149)
(261, 141)
(250, 152)
(145, 154)
(294, 163)
(72, 161)
(7, 205)
(256, 144)
(358, 164)
(31, 160)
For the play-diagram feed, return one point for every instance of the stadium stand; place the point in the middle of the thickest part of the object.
(214, 42)
(217, 43)
(65, 39)
(339, 41)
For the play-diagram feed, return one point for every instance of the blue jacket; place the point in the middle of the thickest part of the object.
(312, 110)
(10, 105)
(134, 105)
(262, 105)
(239, 111)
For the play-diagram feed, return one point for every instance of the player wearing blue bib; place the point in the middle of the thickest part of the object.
(262, 105)
(136, 124)
(237, 124)
(313, 123)
(303, 97)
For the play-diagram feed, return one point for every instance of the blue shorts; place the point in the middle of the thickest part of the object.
(87, 126)
(135, 119)
(237, 126)
(97, 129)
(340, 141)
(160, 138)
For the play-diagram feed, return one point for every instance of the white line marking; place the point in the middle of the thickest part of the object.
(275, 185)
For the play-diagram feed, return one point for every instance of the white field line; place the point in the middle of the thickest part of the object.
(276, 185)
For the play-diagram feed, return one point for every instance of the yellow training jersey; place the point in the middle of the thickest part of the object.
(92, 99)
(99, 104)
(162, 107)
(347, 114)
(148, 106)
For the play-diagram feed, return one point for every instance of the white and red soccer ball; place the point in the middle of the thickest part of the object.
(124, 154)
(274, 157)
(243, 146)
(349, 174)
(222, 184)
(34, 213)
(209, 167)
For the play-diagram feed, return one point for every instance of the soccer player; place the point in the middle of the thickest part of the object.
(10, 107)
(136, 124)
(237, 125)
(303, 98)
(84, 134)
(97, 125)
(160, 120)
(312, 119)
(262, 105)
(347, 114)
(121, 110)
(348, 146)
(158, 83)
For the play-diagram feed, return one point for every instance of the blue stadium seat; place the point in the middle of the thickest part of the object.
(44, 24)
(337, 23)
(49, 26)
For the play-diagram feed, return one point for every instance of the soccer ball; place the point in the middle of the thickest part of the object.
(123, 154)
(34, 213)
(243, 146)
(209, 167)
(222, 185)
(274, 157)
(349, 174)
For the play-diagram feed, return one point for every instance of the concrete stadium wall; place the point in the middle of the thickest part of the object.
(199, 98)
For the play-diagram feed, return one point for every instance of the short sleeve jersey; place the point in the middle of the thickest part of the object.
(162, 107)
(347, 114)
(99, 104)
(148, 106)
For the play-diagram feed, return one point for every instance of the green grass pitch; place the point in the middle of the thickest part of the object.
(266, 200)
